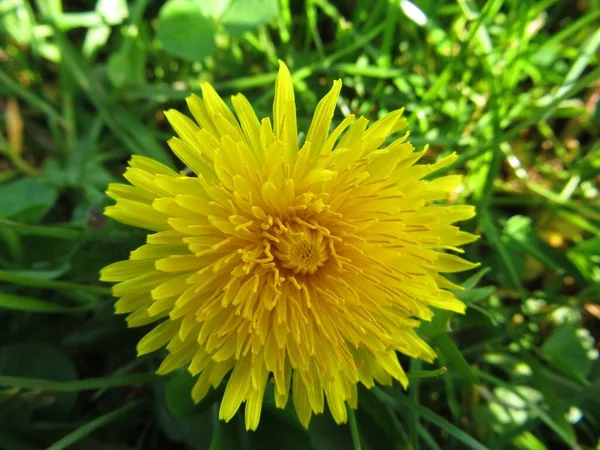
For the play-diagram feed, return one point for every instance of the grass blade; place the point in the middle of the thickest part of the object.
(92, 426)
(89, 384)
(397, 400)
(20, 303)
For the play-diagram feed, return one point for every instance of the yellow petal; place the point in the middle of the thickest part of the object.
(137, 214)
(321, 122)
(236, 390)
(448, 301)
(385, 126)
(140, 300)
(198, 109)
(215, 104)
(201, 387)
(124, 270)
(180, 263)
(446, 263)
(183, 126)
(255, 397)
(301, 401)
(177, 359)
(118, 190)
(158, 337)
(144, 180)
(191, 156)
(151, 166)
(337, 405)
(249, 121)
(284, 110)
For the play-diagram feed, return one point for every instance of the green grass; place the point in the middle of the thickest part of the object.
(511, 86)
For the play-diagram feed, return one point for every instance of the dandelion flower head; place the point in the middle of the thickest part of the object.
(307, 265)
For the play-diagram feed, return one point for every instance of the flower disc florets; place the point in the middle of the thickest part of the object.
(309, 266)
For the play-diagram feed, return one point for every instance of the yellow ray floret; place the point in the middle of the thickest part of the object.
(308, 265)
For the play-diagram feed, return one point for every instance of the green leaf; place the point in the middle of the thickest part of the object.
(17, 21)
(127, 65)
(45, 361)
(564, 432)
(474, 279)
(527, 441)
(441, 321)
(246, 15)
(415, 374)
(565, 351)
(26, 200)
(184, 31)
(113, 12)
(325, 434)
(376, 418)
(398, 401)
(124, 125)
(12, 442)
(20, 303)
(178, 394)
(196, 429)
(81, 432)
(288, 436)
(88, 384)
(95, 38)
(452, 356)
(520, 230)
(475, 294)
(510, 265)
(54, 271)
(213, 8)
(15, 277)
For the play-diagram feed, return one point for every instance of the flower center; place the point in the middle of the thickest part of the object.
(303, 252)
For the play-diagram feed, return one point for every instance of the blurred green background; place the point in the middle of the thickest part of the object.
(512, 86)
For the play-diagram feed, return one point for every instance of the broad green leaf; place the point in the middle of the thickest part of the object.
(26, 200)
(178, 394)
(213, 8)
(565, 351)
(288, 436)
(246, 15)
(184, 31)
(196, 429)
(325, 434)
(127, 65)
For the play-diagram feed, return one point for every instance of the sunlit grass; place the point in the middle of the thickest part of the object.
(512, 87)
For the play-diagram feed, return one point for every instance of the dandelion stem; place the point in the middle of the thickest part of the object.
(354, 429)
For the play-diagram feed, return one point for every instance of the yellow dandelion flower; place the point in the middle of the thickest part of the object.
(305, 264)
